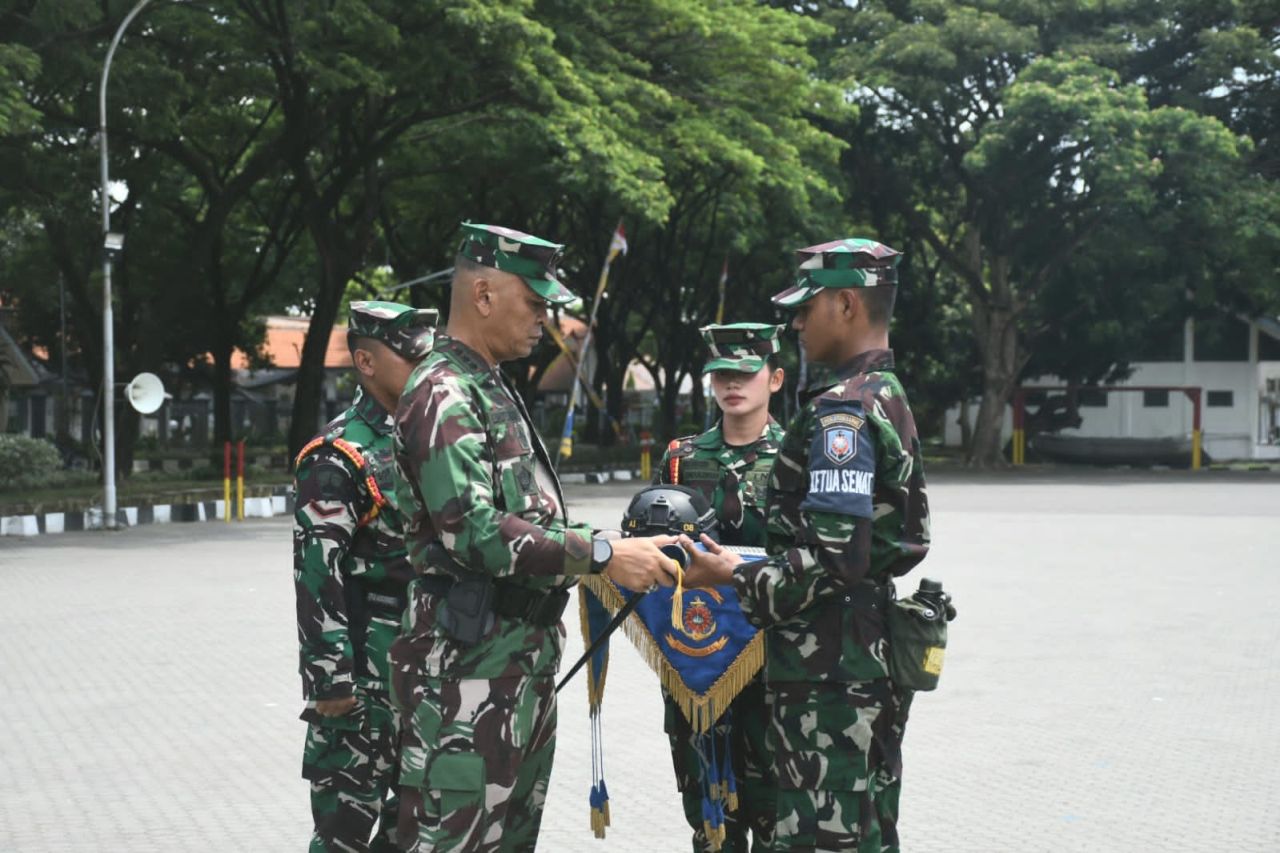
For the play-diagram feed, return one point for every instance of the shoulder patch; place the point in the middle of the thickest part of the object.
(842, 461)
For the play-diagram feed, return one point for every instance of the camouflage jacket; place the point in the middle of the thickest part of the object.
(734, 480)
(475, 477)
(347, 543)
(847, 512)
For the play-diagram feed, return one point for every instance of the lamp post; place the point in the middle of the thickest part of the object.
(113, 244)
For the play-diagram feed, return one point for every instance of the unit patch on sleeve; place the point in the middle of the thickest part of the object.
(842, 461)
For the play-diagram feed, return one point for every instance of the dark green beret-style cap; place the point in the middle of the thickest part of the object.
(533, 259)
(740, 346)
(407, 330)
(852, 262)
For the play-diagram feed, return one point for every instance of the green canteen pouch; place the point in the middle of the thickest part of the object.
(917, 644)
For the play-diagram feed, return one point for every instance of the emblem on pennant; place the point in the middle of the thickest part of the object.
(698, 623)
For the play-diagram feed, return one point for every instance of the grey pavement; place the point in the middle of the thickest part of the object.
(1112, 683)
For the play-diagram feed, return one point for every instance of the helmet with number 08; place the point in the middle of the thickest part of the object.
(658, 510)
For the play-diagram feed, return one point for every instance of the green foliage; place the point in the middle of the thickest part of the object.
(1060, 173)
(27, 462)
(1075, 167)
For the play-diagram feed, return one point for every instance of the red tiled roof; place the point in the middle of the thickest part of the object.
(284, 340)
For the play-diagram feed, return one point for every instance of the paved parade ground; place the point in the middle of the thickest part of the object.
(1113, 682)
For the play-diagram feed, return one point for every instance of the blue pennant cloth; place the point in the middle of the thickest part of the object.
(704, 660)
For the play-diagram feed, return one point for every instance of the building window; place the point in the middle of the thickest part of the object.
(1156, 399)
(1223, 399)
(1092, 398)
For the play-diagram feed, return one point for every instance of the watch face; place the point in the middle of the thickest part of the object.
(601, 551)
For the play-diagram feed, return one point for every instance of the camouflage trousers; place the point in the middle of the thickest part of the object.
(475, 762)
(747, 734)
(837, 752)
(351, 763)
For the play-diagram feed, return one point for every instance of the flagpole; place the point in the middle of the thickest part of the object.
(579, 376)
(724, 278)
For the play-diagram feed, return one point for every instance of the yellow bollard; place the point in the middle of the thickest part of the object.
(240, 481)
(226, 481)
(646, 459)
(1195, 450)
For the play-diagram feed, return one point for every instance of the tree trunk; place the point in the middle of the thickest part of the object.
(997, 334)
(613, 399)
(222, 392)
(127, 424)
(966, 425)
(309, 387)
(669, 397)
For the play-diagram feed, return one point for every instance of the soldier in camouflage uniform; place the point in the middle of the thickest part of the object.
(495, 554)
(350, 572)
(847, 512)
(729, 464)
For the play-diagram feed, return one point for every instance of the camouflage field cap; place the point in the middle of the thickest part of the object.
(740, 346)
(852, 262)
(407, 330)
(533, 259)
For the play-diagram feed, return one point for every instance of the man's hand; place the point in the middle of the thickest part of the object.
(336, 707)
(638, 565)
(711, 567)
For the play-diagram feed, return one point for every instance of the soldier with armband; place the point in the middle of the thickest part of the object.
(350, 573)
(847, 512)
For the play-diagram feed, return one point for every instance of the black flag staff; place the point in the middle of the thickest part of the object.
(613, 625)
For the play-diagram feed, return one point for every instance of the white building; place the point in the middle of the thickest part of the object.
(1240, 399)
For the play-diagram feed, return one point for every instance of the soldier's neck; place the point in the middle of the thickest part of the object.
(744, 429)
(384, 400)
(857, 342)
(469, 335)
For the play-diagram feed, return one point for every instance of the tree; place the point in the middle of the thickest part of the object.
(1009, 140)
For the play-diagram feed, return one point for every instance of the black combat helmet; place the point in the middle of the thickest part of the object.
(656, 510)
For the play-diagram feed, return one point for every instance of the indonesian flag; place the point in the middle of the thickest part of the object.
(619, 242)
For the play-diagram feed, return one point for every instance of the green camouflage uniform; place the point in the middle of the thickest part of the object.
(482, 502)
(350, 572)
(734, 480)
(847, 512)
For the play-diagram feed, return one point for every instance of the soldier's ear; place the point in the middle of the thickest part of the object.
(364, 361)
(848, 302)
(776, 378)
(482, 295)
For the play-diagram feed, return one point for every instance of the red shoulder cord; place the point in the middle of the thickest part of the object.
(353, 453)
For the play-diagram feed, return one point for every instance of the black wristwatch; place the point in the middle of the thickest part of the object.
(601, 554)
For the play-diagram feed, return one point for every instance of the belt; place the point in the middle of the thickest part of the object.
(512, 601)
(386, 598)
(869, 595)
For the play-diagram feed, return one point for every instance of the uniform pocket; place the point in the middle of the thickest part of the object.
(338, 750)
(458, 778)
(820, 736)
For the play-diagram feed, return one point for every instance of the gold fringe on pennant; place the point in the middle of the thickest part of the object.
(595, 681)
(700, 710)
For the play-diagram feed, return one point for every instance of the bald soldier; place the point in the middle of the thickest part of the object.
(495, 555)
(847, 513)
(350, 573)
